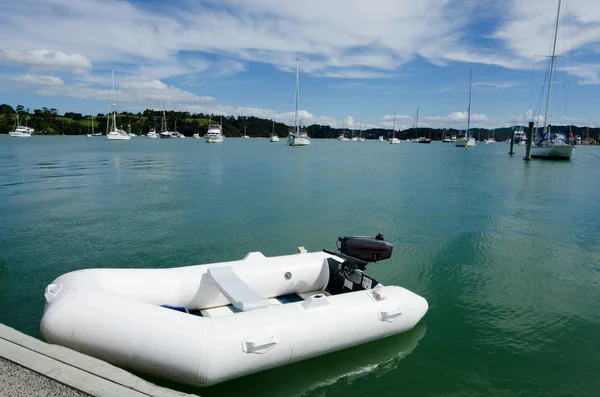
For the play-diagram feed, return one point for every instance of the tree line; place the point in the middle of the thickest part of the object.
(49, 122)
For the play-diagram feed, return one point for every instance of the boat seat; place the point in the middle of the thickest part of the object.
(236, 290)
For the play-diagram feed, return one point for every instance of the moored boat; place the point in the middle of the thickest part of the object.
(214, 134)
(205, 324)
(467, 140)
(297, 138)
(552, 145)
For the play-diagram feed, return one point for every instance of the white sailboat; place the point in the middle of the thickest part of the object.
(343, 137)
(445, 137)
(115, 134)
(467, 140)
(196, 135)
(491, 140)
(394, 140)
(274, 136)
(92, 134)
(245, 136)
(552, 145)
(296, 138)
(361, 138)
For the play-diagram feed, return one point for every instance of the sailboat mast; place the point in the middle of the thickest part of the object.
(297, 98)
(469, 107)
(394, 127)
(417, 123)
(114, 105)
(163, 124)
(553, 58)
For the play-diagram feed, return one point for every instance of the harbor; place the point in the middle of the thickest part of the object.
(244, 199)
(504, 250)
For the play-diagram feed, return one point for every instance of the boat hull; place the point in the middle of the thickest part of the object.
(116, 315)
(465, 143)
(274, 138)
(118, 137)
(559, 152)
(19, 134)
(394, 141)
(214, 139)
(298, 142)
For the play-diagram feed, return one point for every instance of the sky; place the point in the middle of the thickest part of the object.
(360, 61)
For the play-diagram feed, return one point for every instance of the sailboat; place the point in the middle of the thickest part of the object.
(196, 135)
(467, 140)
(296, 138)
(164, 132)
(274, 136)
(93, 134)
(491, 140)
(343, 137)
(421, 139)
(361, 138)
(445, 137)
(245, 136)
(394, 140)
(115, 134)
(552, 145)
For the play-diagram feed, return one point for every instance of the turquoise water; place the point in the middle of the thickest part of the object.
(506, 252)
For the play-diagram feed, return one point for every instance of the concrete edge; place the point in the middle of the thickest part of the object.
(79, 371)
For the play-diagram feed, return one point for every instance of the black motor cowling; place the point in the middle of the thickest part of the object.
(368, 249)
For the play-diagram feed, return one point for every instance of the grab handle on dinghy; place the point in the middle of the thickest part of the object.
(51, 291)
(259, 343)
(236, 290)
(390, 312)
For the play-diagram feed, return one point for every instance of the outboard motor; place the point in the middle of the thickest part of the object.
(368, 249)
(357, 252)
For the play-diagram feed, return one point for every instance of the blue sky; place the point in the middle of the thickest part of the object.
(359, 60)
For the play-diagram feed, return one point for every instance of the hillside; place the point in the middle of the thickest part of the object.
(48, 122)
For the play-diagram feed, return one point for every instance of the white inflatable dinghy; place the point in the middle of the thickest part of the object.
(201, 325)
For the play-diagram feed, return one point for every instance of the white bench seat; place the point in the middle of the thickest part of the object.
(236, 290)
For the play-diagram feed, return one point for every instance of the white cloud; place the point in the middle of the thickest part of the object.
(482, 86)
(46, 59)
(228, 68)
(528, 116)
(587, 73)
(529, 25)
(38, 80)
(402, 122)
(364, 38)
(139, 91)
(456, 120)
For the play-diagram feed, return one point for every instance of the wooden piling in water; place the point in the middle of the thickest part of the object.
(529, 142)
(512, 141)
